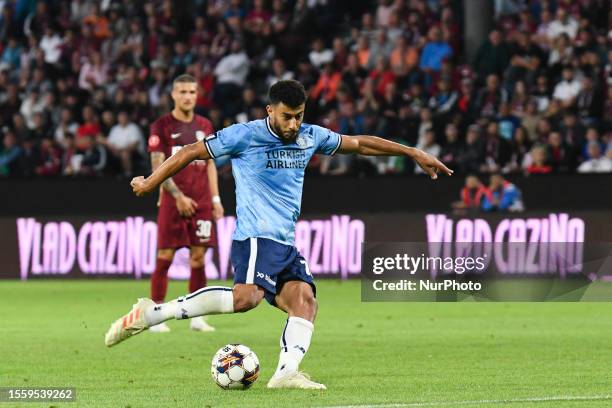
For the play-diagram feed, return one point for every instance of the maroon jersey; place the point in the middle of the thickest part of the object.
(168, 135)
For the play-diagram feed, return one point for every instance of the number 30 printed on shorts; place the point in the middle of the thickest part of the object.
(204, 229)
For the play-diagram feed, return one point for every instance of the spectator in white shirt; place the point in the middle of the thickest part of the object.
(320, 56)
(385, 9)
(234, 67)
(93, 72)
(51, 44)
(567, 90)
(125, 142)
(31, 105)
(597, 163)
(231, 72)
(564, 23)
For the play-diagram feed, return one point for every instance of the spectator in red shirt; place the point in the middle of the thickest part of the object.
(471, 194)
(538, 165)
(90, 126)
(382, 75)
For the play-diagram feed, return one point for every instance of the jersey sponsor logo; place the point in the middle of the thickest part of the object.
(200, 135)
(266, 277)
(154, 141)
(175, 135)
(286, 159)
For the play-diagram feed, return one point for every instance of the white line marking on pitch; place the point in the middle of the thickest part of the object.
(501, 401)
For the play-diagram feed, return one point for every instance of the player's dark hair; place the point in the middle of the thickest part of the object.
(185, 78)
(289, 91)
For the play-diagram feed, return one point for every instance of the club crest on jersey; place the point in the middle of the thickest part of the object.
(200, 135)
(154, 141)
(301, 142)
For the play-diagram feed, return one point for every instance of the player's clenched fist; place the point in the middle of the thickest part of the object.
(139, 186)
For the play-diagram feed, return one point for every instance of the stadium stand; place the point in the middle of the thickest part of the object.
(81, 81)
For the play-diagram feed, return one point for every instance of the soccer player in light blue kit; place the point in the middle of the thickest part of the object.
(269, 157)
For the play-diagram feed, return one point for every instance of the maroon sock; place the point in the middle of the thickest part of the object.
(197, 279)
(159, 280)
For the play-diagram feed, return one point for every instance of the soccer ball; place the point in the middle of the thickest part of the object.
(235, 366)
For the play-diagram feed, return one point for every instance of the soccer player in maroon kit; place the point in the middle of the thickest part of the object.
(189, 202)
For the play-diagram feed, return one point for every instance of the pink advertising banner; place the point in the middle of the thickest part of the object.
(92, 247)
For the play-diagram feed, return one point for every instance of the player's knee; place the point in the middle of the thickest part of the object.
(165, 254)
(196, 257)
(246, 299)
(196, 261)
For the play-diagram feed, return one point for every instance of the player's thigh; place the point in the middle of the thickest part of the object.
(297, 298)
(172, 229)
(246, 296)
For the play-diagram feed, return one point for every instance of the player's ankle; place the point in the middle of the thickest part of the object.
(286, 368)
(159, 313)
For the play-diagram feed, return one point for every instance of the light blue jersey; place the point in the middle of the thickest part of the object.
(269, 174)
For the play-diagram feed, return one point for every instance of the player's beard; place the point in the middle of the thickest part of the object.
(289, 136)
(286, 136)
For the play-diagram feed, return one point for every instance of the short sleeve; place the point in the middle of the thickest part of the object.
(327, 141)
(156, 140)
(229, 141)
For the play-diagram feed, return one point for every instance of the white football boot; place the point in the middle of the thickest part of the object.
(296, 379)
(159, 328)
(200, 324)
(130, 324)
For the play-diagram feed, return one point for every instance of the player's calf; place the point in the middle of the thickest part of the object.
(145, 313)
(247, 297)
(206, 301)
(297, 299)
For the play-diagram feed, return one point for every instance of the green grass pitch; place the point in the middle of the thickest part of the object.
(376, 354)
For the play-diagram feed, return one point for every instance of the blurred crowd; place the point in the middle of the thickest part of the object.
(81, 81)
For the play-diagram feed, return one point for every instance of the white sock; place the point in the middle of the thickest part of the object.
(206, 301)
(294, 343)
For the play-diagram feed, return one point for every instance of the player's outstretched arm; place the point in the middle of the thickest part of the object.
(171, 166)
(376, 146)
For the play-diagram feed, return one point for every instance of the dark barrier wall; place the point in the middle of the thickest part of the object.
(321, 195)
(124, 246)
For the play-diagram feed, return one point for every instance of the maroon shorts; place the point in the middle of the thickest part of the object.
(175, 231)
